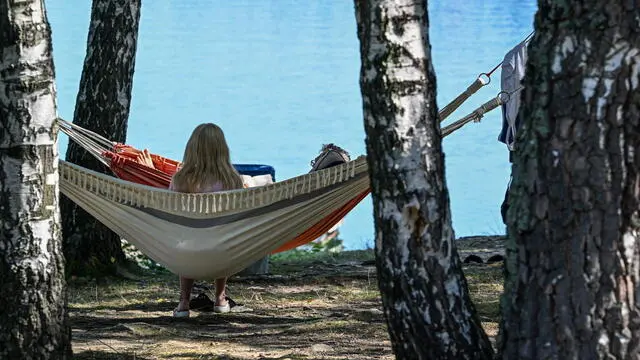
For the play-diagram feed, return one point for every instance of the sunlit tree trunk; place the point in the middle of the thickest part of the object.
(574, 258)
(33, 317)
(102, 106)
(424, 292)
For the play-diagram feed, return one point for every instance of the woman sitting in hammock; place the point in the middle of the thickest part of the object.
(206, 167)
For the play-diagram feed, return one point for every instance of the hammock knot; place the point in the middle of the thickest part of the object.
(478, 114)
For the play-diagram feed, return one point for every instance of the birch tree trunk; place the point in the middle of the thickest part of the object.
(574, 259)
(102, 106)
(33, 317)
(424, 292)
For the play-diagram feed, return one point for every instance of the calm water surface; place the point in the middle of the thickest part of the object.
(281, 78)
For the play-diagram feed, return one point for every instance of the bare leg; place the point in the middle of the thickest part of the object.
(221, 285)
(185, 293)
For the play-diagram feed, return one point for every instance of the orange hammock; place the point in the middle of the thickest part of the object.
(123, 161)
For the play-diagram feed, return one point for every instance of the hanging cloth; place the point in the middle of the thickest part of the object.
(513, 70)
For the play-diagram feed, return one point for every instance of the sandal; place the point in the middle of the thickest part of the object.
(180, 313)
(222, 309)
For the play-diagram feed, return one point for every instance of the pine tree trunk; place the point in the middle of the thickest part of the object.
(574, 220)
(33, 317)
(102, 106)
(424, 292)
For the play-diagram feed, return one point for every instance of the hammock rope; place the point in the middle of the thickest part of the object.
(477, 114)
(482, 80)
(88, 140)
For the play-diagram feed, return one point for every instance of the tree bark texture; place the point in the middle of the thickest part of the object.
(102, 106)
(573, 288)
(424, 292)
(33, 317)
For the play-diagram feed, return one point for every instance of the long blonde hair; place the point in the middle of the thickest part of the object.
(206, 161)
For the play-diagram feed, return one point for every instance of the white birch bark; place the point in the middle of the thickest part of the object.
(424, 292)
(33, 291)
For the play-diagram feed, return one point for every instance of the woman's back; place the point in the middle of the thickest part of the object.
(207, 188)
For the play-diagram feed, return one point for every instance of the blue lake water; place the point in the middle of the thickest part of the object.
(281, 78)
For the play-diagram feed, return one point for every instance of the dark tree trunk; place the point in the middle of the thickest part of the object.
(33, 317)
(424, 292)
(574, 221)
(102, 106)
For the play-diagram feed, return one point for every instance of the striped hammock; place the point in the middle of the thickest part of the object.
(212, 235)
